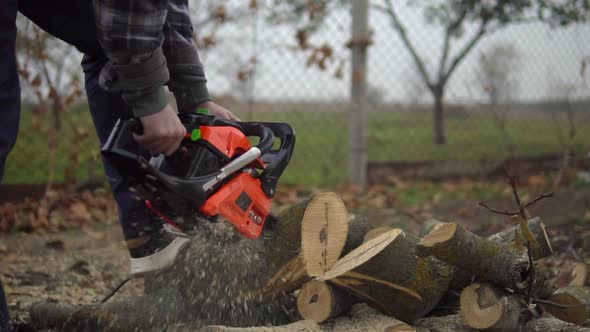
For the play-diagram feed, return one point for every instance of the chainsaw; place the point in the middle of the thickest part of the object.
(217, 172)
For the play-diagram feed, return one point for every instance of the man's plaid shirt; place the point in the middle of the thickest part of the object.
(149, 43)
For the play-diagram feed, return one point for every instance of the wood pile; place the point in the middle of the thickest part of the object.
(316, 262)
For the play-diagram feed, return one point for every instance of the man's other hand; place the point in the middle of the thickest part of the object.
(221, 112)
(162, 132)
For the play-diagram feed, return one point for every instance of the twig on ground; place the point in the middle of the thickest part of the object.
(532, 273)
(114, 291)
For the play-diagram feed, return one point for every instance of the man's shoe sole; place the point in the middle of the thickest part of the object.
(160, 260)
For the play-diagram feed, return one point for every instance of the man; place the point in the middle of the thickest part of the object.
(132, 48)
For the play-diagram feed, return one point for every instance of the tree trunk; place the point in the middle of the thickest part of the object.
(481, 257)
(484, 306)
(577, 305)
(318, 301)
(439, 125)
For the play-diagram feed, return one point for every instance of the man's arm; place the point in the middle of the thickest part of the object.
(187, 76)
(131, 35)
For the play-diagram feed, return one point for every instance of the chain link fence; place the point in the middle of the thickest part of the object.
(520, 92)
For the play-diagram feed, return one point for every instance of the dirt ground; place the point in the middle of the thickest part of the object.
(84, 265)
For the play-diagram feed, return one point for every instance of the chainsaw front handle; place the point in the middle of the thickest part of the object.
(256, 129)
(235, 165)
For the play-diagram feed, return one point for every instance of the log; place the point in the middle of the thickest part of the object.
(318, 301)
(306, 242)
(576, 302)
(484, 306)
(543, 247)
(501, 264)
(241, 282)
(147, 312)
(374, 280)
(358, 227)
(463, 279)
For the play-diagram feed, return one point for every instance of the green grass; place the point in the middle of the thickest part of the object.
(320, 156)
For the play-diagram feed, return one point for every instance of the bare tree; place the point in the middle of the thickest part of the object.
(488, 16)
(498, 66)
(495, 77)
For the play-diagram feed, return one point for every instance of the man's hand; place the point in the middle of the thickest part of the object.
(162, 132)
(221, 112)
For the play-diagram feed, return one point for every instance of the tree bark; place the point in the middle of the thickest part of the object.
(481, 257)
(484, 306)
(543, 247)
(397, 264)
(577, 302)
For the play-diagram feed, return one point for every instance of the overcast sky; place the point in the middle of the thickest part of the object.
(550, 60)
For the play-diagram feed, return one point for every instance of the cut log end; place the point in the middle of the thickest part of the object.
(480, 306)
(323, 232)
(362, 254)
(401, 327)
(439, 234)
(580, 274)
(318, 301)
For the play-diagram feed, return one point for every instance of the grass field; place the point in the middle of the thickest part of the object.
(320, 156)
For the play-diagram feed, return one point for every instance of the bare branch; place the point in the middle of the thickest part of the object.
(468, 47)
(450, 30)
(493, 210)
(401, 31)
(521, 207)
(538, 198)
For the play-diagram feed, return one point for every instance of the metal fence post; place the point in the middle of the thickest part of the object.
(357, 126)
